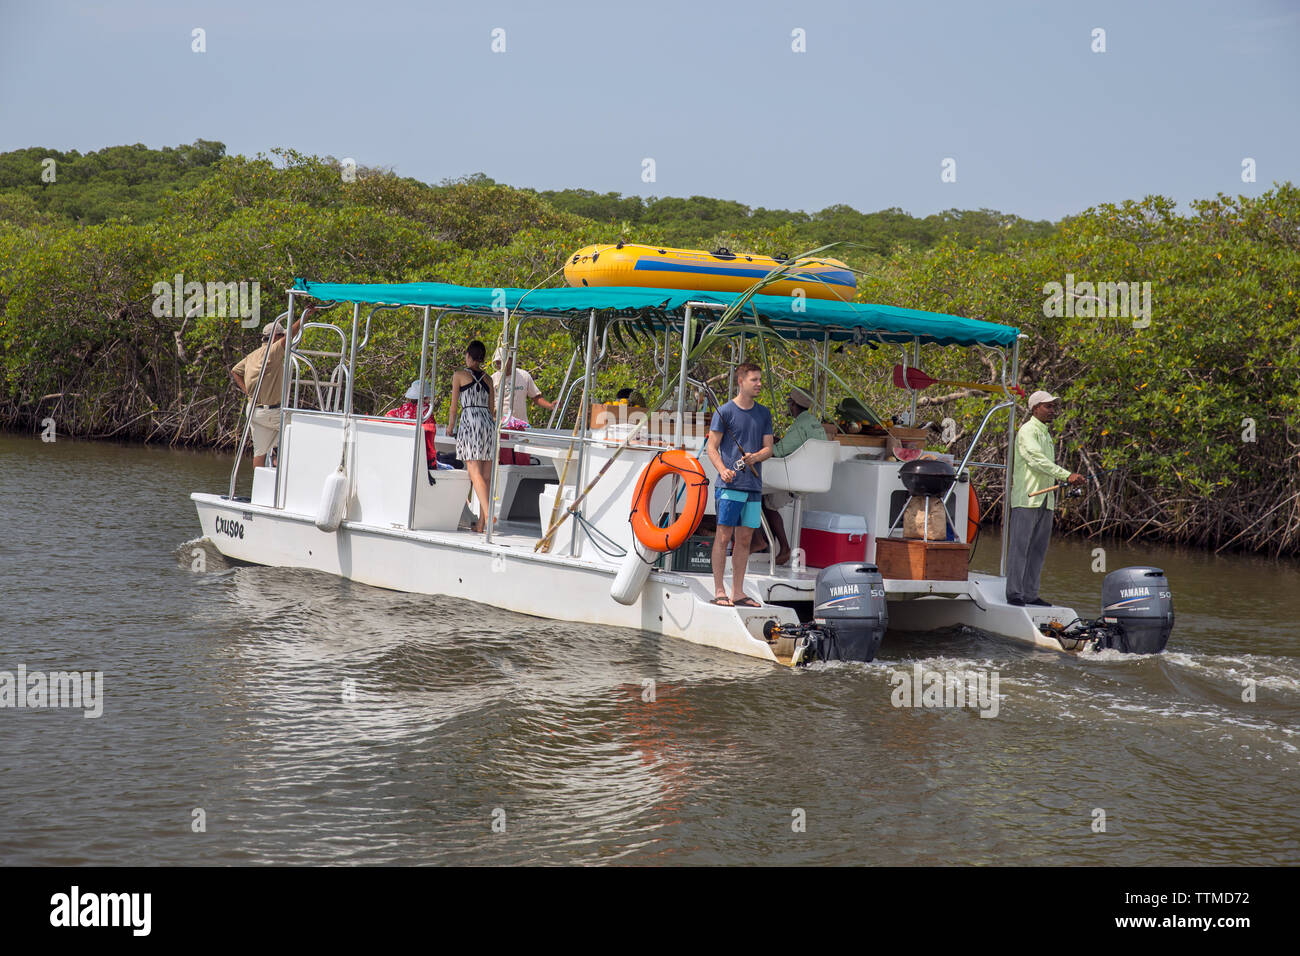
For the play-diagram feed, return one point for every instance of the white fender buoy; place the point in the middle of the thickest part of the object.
(333, 502)
(632, 575)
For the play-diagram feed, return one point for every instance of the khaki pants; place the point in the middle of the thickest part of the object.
(266, 429)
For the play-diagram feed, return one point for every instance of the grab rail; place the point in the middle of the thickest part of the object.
(973, 442)
(555, 409)
(336, 381)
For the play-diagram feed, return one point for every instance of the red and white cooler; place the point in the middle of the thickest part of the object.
(828, 538)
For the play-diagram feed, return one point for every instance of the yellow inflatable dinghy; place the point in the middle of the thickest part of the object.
(628, 264)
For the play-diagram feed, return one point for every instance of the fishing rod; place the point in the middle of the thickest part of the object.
(1076, 492)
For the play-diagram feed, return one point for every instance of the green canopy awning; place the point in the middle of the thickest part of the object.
(792, 317)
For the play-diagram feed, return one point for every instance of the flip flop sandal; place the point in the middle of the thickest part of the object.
(722, 602)
(746, 601)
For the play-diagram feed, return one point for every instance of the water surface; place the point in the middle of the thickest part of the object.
(224, 691)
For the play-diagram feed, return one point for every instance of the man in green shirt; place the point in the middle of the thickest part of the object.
(805, 427)
(1030, 530)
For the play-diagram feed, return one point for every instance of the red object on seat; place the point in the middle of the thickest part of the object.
(430, 449)
(509, 456)
(406, 412)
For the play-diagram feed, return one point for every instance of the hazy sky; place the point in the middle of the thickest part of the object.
(713, 92)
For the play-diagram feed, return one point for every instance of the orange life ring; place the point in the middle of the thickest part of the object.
(972, 515)
(644, 525)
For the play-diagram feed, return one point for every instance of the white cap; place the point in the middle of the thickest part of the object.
(498, 356)
(272, 326)
(1039, 397)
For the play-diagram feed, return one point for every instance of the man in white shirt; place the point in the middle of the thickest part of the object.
(523, 389)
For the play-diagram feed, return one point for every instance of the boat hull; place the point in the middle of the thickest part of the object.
(456, 564)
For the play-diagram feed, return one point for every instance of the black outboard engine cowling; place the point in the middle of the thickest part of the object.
(1138, 608)
(849, 607)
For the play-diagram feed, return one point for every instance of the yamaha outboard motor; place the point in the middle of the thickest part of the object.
(1137, 615)
(1138, 607)
(850, 617)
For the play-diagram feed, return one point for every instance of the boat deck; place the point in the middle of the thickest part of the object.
(762, 582)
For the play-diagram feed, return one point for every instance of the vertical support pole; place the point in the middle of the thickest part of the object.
(418, 453)
(559, 396)
(584, 411)
(737, 358)
(681, 378)
(1011, 460)
(916, 363)
(433, 357)
(352, 360)
(490, 506)
(825, 373)
(668, 351)
(284, 391)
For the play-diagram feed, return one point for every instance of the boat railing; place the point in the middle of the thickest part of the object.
(568, 387)
(557, 413)
(965, 462)
(563, 441)
(329, 395)
(975, 441)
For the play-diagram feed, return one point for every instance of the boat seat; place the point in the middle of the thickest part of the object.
(512, 478)
(806, 471)
(438, 504)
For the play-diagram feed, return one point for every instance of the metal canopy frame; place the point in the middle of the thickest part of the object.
(682, 330)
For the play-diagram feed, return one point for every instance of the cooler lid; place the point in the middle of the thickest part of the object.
(834, 522)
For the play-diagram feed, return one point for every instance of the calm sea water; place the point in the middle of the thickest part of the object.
(223, 704)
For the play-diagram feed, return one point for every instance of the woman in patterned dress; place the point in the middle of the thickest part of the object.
(472, 394)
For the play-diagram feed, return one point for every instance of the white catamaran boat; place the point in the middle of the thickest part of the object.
(401, 525)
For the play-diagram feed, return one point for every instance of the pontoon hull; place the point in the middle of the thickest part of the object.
(562, 588)
(460, 565)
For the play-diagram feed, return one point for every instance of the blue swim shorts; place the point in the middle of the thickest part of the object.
(739, 508)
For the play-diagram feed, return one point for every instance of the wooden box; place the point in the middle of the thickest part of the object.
(602, 414)
(911, 559)
(863, 441)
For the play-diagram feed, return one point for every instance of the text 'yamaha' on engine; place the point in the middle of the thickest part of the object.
(850, 618)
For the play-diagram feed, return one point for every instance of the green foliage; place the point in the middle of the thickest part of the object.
(702, 220)
(116, 182)
(1165, 406)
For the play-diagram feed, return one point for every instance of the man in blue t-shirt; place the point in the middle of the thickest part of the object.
(741, 431)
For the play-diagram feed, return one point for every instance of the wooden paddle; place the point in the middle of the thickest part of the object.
(916, 380)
